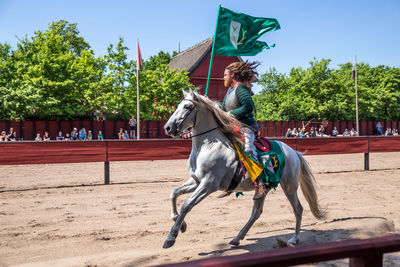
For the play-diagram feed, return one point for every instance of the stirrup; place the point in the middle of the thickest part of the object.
(224, 194)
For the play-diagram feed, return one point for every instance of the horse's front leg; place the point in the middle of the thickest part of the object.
(188, 187)
(255, 214)
(202, 191)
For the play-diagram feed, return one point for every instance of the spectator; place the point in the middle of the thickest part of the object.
(295, 133)
(312, 133)
(74, 134)
(67, 137)
(302, 133)
(60, 136)
(388, 132)
(38, 138)
(126, 135)
(121, 134)
(90, 135)
(3, 136)
(100, 136)
(395, 132)
(82, 134)
(346, 132)
(353, 132)
(132, 127)
(288, 133)
(11, 135)
(46, 136)
(379, 128)
(335, 132)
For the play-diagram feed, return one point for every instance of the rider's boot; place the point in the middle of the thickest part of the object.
(260, 189)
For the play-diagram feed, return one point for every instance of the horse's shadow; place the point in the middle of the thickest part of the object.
(307, 237)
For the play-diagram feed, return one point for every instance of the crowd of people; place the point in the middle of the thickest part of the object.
(318, 132)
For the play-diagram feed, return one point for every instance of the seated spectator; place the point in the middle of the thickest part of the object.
(46, 136)
(121, 134)
(74, 134)
(335, 131)
(100, 136)
(126, 135)
(302, 133)
(395, 132)
(60, 136)
(346, 132)
(67, 137)
(82, 134)
(379, 128)
(3, 136)
(90, 135)
(38, 138)
(312, 133)
(288, 133)
(295, 132)
(353, 132)
(388, 132)
(12, 135)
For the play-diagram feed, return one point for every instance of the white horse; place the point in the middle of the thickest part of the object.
(214, 163)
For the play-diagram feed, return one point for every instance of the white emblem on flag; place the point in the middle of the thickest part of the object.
(234, 33)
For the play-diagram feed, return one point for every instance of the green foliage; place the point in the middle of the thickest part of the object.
(55, 75)
(323, 93)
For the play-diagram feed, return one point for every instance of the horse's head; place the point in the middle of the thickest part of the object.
(184, 116)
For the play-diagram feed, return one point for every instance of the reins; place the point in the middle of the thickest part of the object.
(195, 119)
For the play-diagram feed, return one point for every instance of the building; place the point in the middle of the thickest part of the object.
(196, 61)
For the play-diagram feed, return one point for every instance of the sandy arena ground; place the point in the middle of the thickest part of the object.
(61, 215)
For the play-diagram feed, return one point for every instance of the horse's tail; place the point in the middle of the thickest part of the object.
(307, 180)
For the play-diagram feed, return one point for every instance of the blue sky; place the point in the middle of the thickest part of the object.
(337, 30)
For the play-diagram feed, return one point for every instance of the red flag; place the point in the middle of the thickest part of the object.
(139, 57)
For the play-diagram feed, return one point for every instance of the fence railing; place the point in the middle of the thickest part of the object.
(29, 152)
(154, 129)
(361, 253)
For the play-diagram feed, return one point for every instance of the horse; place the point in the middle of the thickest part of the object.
(214, 163)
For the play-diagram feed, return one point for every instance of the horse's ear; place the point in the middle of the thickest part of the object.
(185, 93)
(195, 97)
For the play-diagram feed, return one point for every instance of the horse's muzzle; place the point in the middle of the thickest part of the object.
(171, 129)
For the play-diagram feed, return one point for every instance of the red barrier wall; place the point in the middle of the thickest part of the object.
(51, 152)
(110, 150)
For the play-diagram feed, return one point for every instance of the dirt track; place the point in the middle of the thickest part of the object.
(125, 224)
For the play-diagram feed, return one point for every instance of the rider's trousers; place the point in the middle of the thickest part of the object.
(249, 147)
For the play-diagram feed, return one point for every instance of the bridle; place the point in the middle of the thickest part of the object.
(195, 119)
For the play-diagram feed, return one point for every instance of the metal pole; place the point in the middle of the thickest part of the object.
(355, 78)
(137, 95)
(106, 167)
(212, 53)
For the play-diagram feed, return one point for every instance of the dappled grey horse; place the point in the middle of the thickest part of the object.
(214, 163)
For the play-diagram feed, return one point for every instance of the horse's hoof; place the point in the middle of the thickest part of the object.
(168, 243)
(183, 227)
(235, 242)
(293, 241)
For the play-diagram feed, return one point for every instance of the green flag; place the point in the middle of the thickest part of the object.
(236, 33)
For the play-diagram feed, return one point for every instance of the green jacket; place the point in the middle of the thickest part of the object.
(244, 113)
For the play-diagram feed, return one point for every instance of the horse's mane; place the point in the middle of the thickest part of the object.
(226, 122)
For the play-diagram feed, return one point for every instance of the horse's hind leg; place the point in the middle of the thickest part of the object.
(188, 187)
(298, 212)
(255, 214)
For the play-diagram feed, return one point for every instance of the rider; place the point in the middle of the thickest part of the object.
(238, 78)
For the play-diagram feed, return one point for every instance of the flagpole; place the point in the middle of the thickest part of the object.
(355, 80)
(212, 53)
(137, 95)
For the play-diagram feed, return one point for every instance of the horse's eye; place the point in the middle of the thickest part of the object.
(187, 107)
